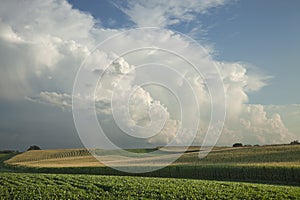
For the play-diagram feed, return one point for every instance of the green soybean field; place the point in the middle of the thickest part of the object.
(53, 186)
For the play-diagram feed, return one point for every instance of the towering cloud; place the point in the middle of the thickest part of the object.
(43, 46)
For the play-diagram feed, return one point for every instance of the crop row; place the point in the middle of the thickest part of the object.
(245, 155)
(52, 186)
(282, 175)
(43, 155)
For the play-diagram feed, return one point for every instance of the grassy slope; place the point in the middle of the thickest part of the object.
(51, 186)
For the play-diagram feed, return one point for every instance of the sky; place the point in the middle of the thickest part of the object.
(255, 46)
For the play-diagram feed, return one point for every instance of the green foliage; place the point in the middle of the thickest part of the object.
(53, 186)
(3, 157)
(237, 145)
(247, 155)
(295, 142)
(33, 147)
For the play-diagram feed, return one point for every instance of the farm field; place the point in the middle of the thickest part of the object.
(276, 156)
(266, 164)
(281, 155)
(53, 186)
(271, 172)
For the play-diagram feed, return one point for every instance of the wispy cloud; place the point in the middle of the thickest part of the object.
(164, 13)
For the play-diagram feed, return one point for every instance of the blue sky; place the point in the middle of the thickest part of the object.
(264, 34)
(254, 44)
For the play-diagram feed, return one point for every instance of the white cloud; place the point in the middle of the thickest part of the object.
(55, 99)
(290, 115)
(41, 39)
(48, 17)
(256, 125)
(163, 13)
(43, 46)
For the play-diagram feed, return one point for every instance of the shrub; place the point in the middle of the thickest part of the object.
(7, 151)
(34, 147)
(237, 145)
(295, 142)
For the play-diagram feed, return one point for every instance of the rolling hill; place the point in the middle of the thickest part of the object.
(280, 156)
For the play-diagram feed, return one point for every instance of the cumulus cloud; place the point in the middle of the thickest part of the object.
(50, 17)
(43, 41)
(290, 115)
(43, 46)
(256, 125)
(251, 123)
